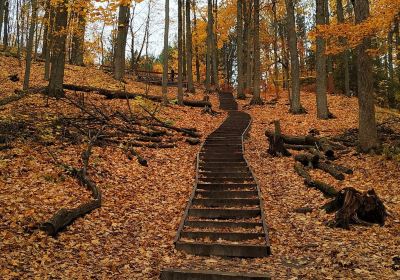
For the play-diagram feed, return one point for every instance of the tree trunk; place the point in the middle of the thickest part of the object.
(30, 45)
(78, 37)
(49, 40)
(322, 101)
(345, 54)
(165, 55)
(295, 105)
(214, 49)
(249, 49)
(46, 23)
(257, 57)
(198, 78)
(119, 56)
(397, 40)
(329, 60)
(239, 30)
(209, 46)
(276, 70)
(390, 91)
(180, 53)
(59, 36)
(184, 60)
(2, 6)
(189, 49)
(367, 124)
(6, 24)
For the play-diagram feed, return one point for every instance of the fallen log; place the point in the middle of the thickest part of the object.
(353, 206)
(342, 168)
(64, 217)
(298, 147)
(307, 159)
(297, 143)
(120, 94)
(328, 168)
(193, 141)
(326, 189)
(299, 168)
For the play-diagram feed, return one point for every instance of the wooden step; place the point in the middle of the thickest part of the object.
(226, 187)
(227, 250)
(228, 236)
(220, 202)
(219, 213)
(222, 224)
(227, 194)
(178, 274)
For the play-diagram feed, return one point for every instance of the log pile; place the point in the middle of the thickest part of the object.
(350, 205)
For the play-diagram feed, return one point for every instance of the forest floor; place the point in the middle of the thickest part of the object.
(131, 235)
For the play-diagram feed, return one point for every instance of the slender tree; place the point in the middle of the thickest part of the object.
(295, 105)
(2, 6)
(322, 101)
(180, 53)
(390, 91)
(256, 100)
(6, 23)
(28, 59)
(78, 36)
(368, 136)
(119, 56)
(165, 55)
(209, 46)
(189, 49)
(345, 55)
(214, 48)
(239, 30)
(196, 48)
(59, 36)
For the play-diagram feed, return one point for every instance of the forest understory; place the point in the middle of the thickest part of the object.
(131, 235)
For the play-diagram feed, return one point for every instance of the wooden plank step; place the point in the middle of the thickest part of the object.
(227, 250)
(227, 194)
(224, 174)
(178, 274)
(213, 213)
(223, 169)
(224, 160)
(226, 179)
(228, 236)
(222, 224)
(220, 202)
(226, 187)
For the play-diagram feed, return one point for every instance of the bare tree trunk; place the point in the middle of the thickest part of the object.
(196, 49)
(46, 23)
(6, 24)
(189, 49)
(214, 48)
(184, 60)
(397, 44)
(78, 37)
(59, 36)
(37, 38)
(165, 55)
(49, 39)
(390, 91)
(368, 138)
(209, 46)
(322, 101)
(250, 48)
(345, 54)
(329, 60)
(28, 60)
(256, 100)
(276, 70)
(2, 6)
(180, 53)
(239, 28)
(295, 105)
(119, 56)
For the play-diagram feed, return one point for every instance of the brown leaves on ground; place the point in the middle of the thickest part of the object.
(131, 235)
